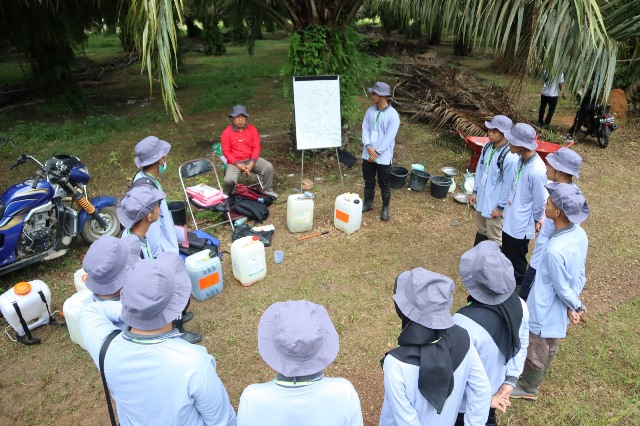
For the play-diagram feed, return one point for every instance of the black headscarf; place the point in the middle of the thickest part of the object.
(502, 322)
(438, 353)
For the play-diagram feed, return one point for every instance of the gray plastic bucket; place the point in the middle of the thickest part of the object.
(418, 180)
(440, 186)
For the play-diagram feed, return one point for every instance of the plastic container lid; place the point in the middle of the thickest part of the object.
(22, 288)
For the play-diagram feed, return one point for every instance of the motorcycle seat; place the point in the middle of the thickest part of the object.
(2, 207)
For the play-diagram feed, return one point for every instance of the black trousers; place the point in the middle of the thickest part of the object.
(552, 101)
(369, 172)
(516, 251)
(527, 282)
(491, 421)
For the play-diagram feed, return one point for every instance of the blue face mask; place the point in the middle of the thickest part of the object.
(163, 167)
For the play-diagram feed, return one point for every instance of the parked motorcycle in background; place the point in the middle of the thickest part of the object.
(595, 120)
(38, 220)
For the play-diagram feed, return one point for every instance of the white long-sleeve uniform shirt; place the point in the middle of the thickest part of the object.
(404, 405)
(526, 199)
(493, 190)
(379, 129)
(492, 359)
(160, 380)
(559, 282)
(331, 401)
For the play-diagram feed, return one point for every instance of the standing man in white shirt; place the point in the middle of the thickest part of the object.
(155, 377)
(494, 174)
(496, 319)
(379, 129)
(549, 96)
(435, 365)
(298, 341)
(527, 196)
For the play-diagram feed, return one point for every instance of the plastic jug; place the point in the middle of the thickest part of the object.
(33, 309)
(348, 213)
(205, 273)
(299, 213)
(71, 310)
(80, 279)
(248, 260)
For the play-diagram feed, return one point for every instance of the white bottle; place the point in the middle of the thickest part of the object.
(248, 260)
(347, 215)
(299, 213)
(32, 308)
(80, 279)
(71, 310)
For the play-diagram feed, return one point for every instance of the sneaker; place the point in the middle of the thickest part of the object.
(271, 193)
(191, 337)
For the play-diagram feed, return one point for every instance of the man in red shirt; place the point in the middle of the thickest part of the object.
(241, 148)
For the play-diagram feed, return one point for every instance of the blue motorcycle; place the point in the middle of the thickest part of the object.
(37, 217)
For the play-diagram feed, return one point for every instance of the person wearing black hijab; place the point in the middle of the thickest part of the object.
(434, 365)
(496, 319)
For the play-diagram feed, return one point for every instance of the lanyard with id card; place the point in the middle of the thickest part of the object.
(515, 184)
(483, 180)
(373, 138)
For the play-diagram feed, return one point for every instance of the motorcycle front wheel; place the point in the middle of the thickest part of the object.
(603, 136)
(92, 230)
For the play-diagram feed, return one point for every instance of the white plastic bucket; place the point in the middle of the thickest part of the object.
(71, 310)
(248, 260)
(33, 310)
(205, 273)
(348, 213)
(299, 213)
(80, 279)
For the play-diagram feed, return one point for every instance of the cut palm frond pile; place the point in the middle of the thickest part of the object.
(441, 94)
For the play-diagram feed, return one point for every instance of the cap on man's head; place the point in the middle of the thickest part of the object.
(238, 110)
(137, 203)
(108, 261)
(150, 150)
(425, 297)
(569, 199)
(522, 135)
(297, 338)
(502, 123)
(566, 161)
(487, 273)
(380, 89)
(155, 293)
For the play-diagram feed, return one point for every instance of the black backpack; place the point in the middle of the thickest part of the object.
(503, 154)
(250, 208)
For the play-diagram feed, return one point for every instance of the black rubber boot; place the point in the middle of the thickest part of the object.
(186, 335)
(384, 215)
(479, 238)
(368, 200)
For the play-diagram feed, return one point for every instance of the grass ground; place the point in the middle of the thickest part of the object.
(594, 379)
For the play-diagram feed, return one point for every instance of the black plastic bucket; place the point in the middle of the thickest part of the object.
(418, 180)
(178, 212)
(398, 177)
(440, 186)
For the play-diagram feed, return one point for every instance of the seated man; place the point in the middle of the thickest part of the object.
(155, 377)
(298, 341)
(241, 147)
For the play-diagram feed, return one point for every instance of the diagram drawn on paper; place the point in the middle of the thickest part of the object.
(317, 112)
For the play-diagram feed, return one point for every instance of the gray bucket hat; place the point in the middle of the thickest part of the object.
(108, 261)
(156, 292)
(380, 89)
(150, 150)
(297, 338)
(238, 110)
(425, 297)
(522, 135)
(566, 161)
(487, 273)
(569, 200)
(138, 202)
(501, 123)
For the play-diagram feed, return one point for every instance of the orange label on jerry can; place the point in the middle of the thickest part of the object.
(340, 215)
(209, 280)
